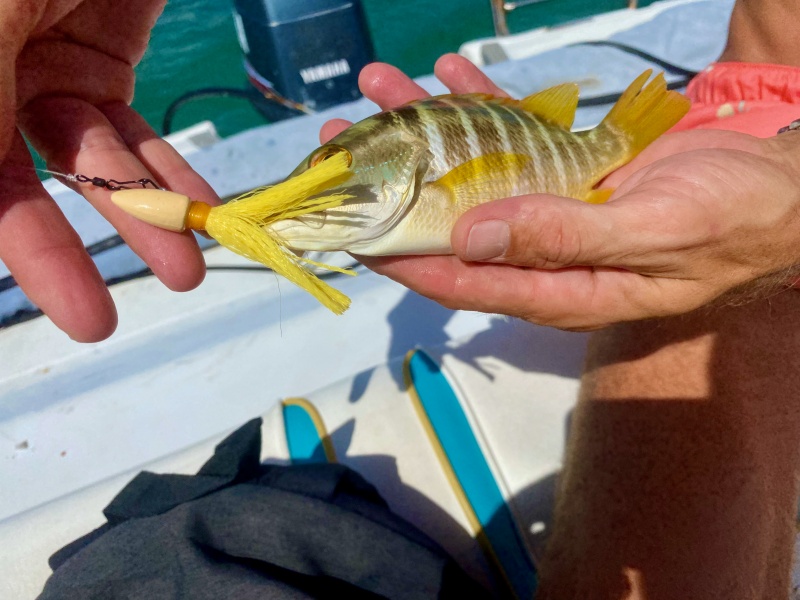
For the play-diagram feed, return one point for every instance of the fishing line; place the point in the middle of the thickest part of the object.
(109, 243)
(664, 64)
(259, 94)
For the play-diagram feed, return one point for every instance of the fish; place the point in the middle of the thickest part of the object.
(397, 182)
(417, 168)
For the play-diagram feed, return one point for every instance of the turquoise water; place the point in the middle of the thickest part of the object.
(194, 45)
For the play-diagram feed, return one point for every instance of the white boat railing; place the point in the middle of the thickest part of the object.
(501, 8)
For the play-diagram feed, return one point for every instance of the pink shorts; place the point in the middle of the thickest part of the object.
(750, 98)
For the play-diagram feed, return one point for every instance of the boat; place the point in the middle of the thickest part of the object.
(184, 370)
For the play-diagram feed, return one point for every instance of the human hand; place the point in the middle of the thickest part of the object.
(66, 79)
(694, 216)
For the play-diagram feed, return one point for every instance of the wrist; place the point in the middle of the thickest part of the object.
(784, 149)
(761, 31)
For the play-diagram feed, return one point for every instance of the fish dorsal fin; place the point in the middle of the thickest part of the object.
(556, 104)
(483, 177)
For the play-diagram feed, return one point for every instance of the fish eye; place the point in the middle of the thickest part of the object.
(327, 152)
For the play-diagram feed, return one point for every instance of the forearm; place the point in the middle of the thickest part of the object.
(680, 481)
(764, 31)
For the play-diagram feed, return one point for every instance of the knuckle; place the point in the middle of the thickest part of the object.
(543, 239)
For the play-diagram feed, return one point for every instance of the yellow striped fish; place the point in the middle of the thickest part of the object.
(396, 183)
(416, 169)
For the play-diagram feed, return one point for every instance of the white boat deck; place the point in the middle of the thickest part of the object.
(184, 368)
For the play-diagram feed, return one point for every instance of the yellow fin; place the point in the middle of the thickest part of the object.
(556, 104)
(480, 177)
(240, 224)
(643, 113)
(599, 196)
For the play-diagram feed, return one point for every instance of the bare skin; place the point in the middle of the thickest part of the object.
(679, 232)
(70, 82)
(66, 82)
(682, 474)
(680, 480)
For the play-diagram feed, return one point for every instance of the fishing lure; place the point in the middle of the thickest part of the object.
(396, 182)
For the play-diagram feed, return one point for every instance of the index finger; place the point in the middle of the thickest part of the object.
(45, 255)
(462, 77)
(77, 137)
(388, 86)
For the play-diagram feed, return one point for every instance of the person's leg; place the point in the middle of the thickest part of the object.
(681, 475)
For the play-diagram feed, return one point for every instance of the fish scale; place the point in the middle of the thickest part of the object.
(447, 124)
(470, 149)
(455, 122)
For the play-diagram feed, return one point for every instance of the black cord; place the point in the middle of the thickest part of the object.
(26, 314)
(687, 74)
(609, 98)
(8, 282)
(666, 65)
(211, 92)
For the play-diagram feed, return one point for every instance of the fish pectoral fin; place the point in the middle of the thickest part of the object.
(481, 177)
(599, 196)
(556, 104)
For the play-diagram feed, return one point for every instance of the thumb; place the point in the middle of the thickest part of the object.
(551, 232)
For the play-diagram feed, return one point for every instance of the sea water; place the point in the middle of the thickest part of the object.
(194, 45)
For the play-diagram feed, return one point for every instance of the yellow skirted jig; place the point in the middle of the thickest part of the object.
(242, 225)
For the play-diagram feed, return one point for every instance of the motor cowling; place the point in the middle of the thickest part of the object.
(308, 51)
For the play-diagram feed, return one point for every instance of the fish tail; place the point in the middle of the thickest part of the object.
(241, 226)
(642, 114)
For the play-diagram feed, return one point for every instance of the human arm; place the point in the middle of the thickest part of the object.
(695, 216)
(66, 75)
(680, 479)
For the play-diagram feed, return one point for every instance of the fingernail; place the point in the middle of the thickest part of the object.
(488, 239)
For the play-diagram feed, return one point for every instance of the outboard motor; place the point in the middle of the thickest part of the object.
(304, 54)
